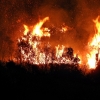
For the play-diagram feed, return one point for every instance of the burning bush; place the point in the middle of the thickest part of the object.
(32, 50)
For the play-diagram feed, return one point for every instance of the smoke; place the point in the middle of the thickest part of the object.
(76, 14)
(86, 11)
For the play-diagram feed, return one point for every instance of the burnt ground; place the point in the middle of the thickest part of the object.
(59, 82)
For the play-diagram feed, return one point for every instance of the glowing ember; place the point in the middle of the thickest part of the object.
(94, 45)
(64, 29)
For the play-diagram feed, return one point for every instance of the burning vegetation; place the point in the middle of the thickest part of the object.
(94, 47)
(32, 49)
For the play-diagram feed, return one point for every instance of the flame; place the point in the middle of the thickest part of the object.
(64, 29)
(94, 46)
(33, 51)
(37, 31)
(59, 51)
(91, 60)
(26, 29)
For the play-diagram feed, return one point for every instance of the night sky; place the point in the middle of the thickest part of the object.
(77, 14)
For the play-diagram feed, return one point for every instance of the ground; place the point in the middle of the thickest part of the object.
(60, 81)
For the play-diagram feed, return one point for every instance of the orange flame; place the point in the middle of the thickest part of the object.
(59, 51)
(64, 29)
(94, 45)
(37, 31)
(26, 29)
(35, 52)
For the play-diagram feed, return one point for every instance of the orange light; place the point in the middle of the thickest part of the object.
(94, 45)
(26, 29)
(37, 31)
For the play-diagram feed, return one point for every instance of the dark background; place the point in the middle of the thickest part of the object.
(20, 81)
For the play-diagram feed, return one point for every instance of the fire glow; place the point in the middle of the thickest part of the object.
(94, 45)
(32, 50)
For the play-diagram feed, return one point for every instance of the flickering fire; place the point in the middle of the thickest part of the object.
(59, 51)
(64, 29)
(37, 31)
(32, 50)
(94, 45)
(26, 29)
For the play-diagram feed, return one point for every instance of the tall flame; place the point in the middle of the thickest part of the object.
(37, 31)
(26, 29)
(59, 51)
(94, 45)
(33, 51)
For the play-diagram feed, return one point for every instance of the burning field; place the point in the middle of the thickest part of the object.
(45, 32)
(50, 47)
(35, 47)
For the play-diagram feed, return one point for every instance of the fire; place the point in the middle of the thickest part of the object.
(91, 60)
(37, 31)
(94, 45)
(26, 29)
(59, 51)
(64, 29)
(32, 50)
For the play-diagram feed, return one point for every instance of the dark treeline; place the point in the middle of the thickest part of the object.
(32, 81)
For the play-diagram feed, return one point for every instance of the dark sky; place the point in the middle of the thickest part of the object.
(77, 14)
